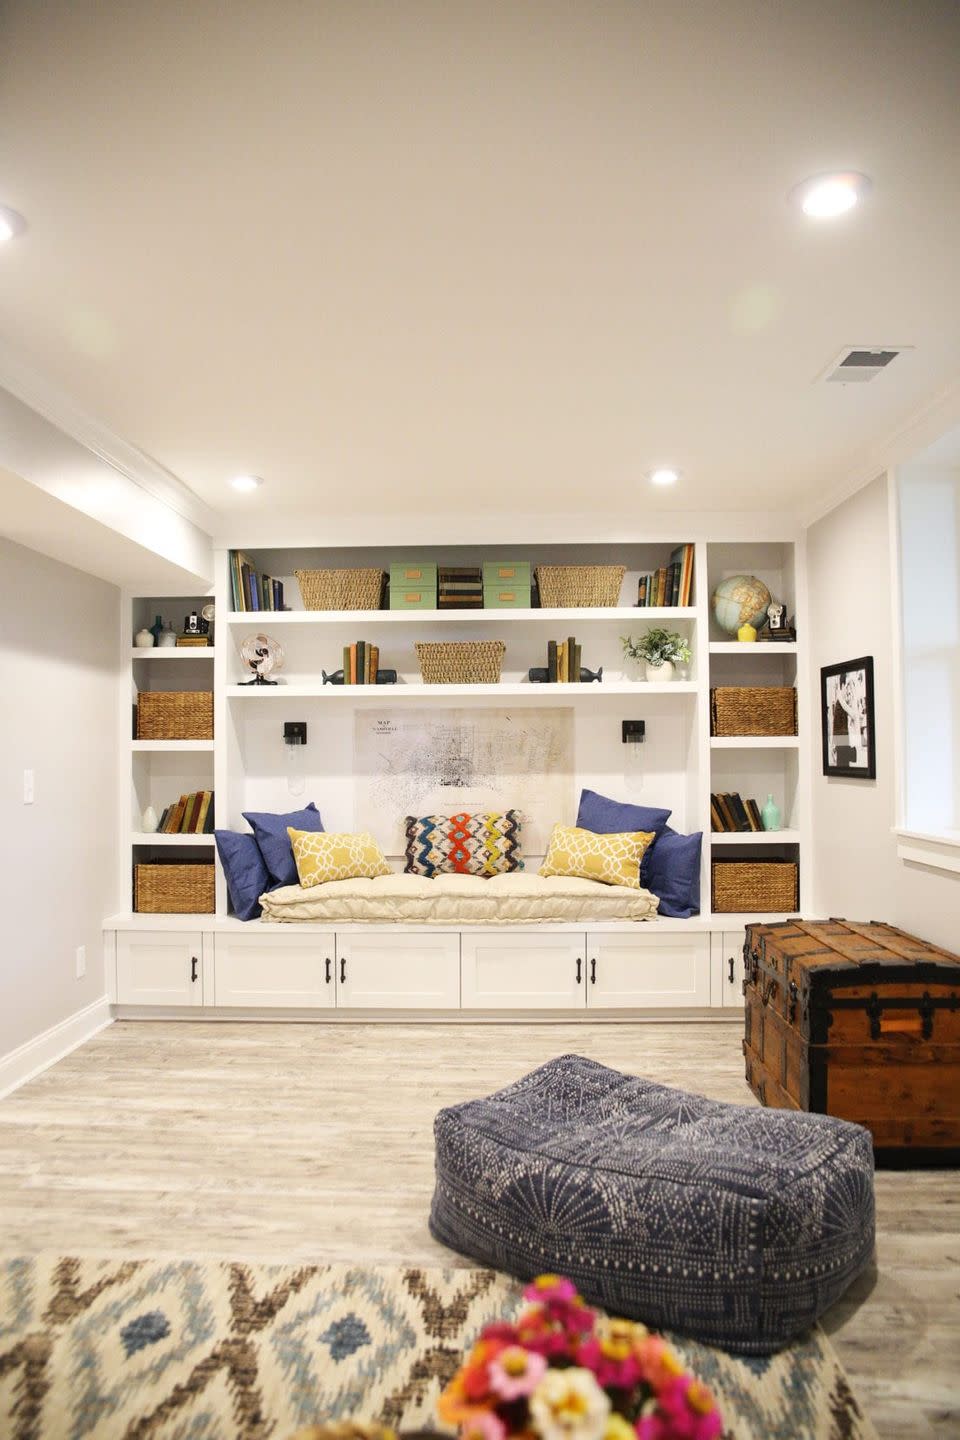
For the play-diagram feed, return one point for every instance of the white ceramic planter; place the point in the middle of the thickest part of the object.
(663, 671)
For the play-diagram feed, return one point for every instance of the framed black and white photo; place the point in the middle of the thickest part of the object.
(846, 708)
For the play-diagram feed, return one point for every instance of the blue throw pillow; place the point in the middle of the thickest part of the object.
(245, 871)
(673, 873)
(615, 817)
(274, 842)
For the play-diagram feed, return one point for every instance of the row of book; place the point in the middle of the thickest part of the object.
(671, 584)
(191, 815)
(250, 589)
(563, 661)
(460, 587)
(729, 814)
(360, 663)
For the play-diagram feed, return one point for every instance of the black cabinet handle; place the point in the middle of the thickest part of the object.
(343, 969)
(193, 969)
(593, 970)
(327, 967)
(579, 969)
(730, 963)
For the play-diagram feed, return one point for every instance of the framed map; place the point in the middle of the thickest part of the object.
(438, 762)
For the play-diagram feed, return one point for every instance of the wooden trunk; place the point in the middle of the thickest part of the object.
(861, 1022)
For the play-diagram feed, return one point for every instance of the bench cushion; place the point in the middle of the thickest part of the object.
(736, 1225)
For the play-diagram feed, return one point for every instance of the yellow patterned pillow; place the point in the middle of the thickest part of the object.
(322, 855)
(611, 859)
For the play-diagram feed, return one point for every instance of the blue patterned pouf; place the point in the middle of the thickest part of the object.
(736, 1225)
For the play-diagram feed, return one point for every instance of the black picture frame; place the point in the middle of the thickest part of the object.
(847, 720)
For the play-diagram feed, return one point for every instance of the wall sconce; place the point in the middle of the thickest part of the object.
(633, 733)
(294, 744)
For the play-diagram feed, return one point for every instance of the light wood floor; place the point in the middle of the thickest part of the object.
(287, 1142)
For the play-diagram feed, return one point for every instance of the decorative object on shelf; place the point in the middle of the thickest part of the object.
(540, 675)
(755, 886)
(460, 662)
(659, 651)
(208, 613)
(168, 637)
(568, 1372)
(771, 814)
(192, 624)
(384, 677)
(506, 585)
(359, 589)
(175, 715)
(670, 585)
(753, 710)
(740, 600)
(459, 587)
(156, 630)
(746, 634)
(569, 587)
(731, 815)
(294, 744)
(149, 821)
(250, 590)
(264, 655)
(144, 639)
(778, 626)
(563, 662)
(190, 815)
(191, 642)
(361, 662)
(847, 723)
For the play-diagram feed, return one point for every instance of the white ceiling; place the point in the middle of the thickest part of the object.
(446, 257)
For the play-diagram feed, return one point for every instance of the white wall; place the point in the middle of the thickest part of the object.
(856, 870)
(58, 717)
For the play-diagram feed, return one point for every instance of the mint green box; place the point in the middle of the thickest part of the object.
(508, 573)
(505, 595)
(413, 586)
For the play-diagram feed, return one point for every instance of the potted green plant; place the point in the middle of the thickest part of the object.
(658, 651)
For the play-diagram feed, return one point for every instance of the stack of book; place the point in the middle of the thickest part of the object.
(563, 661)
(251, 590)
(360, 663)
(191, 815)
(460, 587)
(728, 814)
(671, 584)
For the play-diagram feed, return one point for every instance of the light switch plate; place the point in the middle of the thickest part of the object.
(28, 787)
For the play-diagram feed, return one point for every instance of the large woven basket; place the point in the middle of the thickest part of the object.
(460, 662)
(174, 888)
(744, 886)
(565, 587)
(340, 589)
(175, 715)
(753, 710)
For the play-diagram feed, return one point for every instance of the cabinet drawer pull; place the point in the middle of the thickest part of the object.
(579, 969)
(730, 962)
(593, 970)
(327, 967)
(343, 969)
(193, 969)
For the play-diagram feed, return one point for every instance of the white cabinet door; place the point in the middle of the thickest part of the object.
(276, 971)
(727, 984)
(504, 970)
(415, 971)
(647, 971)
(156, 967)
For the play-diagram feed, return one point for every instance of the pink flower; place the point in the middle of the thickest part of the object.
(538, 1330)
(516, 1372)
(483, 1426)
(546, 1288)
(688, 1410)
(612, 1360)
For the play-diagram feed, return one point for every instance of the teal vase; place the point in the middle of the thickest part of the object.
(770, 815)
(156, 630)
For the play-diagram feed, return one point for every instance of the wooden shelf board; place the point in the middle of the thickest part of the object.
(142, 837)
(185, 652)
(507, 690)
(621, 613)
(757, 647)
(755, 837)
(754, 742)
(161, 745)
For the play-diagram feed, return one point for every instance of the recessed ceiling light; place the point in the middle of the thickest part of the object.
(246, 482)
(664, 477)
(824, 196)
(11, 224)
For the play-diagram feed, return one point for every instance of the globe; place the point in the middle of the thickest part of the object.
(740, 600)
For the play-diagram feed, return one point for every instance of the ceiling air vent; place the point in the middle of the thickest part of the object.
(859, 362)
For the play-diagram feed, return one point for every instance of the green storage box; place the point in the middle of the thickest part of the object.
(413, 587)
(507, 572)
(506, 596)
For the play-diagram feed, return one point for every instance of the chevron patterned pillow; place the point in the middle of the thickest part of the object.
(486, 844)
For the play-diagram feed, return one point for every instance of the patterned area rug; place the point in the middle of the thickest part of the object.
(199, 1350)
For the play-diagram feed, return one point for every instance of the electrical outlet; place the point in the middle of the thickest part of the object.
(28, 787)
(81, 961)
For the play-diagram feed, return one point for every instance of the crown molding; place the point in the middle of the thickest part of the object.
(920, 429)
(56, 406)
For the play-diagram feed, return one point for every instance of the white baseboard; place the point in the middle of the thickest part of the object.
(45, 1050)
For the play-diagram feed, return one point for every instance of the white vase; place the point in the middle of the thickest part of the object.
(143, 639)
(149, 820)
(663, 671)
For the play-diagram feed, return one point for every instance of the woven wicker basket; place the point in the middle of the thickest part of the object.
(340, 589)
(174, 888)
(175, 715)
(565, 587)
(753, 710)
(460, 662)
(744, 886)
